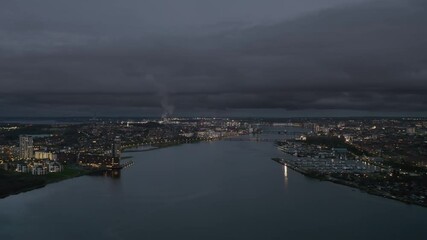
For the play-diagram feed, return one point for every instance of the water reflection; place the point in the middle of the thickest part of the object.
(115, 173)
(285, 175)
(168, 194)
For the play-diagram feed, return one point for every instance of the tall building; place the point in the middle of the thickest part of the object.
(26, 149)
(116, 151)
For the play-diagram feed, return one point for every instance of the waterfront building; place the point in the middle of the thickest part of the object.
(39, 170)
(116, 151)
(45, 155)
(22, 168)
(188, 135)
(26, 148)
(55, 167)
(94, 160)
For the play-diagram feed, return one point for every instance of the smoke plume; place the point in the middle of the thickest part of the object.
(163, 94)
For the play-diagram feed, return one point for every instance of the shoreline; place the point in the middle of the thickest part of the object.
(68, 173)
(50, 179)
(3, 196)
(324, 177)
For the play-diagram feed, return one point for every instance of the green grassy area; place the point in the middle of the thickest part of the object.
(13, 182)
(69, 172)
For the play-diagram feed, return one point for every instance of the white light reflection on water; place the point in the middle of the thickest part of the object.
(285, 174)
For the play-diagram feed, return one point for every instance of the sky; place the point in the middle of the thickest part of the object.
(223, 57)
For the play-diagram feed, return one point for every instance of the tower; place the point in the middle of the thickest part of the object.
(26, 147)
(116, 151)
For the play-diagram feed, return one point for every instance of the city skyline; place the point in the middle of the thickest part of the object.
(201, 119)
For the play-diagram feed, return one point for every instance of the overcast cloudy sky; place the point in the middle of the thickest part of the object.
(132, 57)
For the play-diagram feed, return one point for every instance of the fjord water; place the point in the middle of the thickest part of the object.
(211, 190)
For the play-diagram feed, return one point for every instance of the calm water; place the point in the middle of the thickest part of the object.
(216, 190)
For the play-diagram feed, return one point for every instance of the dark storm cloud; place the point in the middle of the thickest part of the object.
(366, 56)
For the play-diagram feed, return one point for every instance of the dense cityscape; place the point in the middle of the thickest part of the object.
(61, 151)
(385, 157)
(200, 119)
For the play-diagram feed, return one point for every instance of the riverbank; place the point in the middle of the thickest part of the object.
(12, 183)
(136, 147)
(326, 177)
